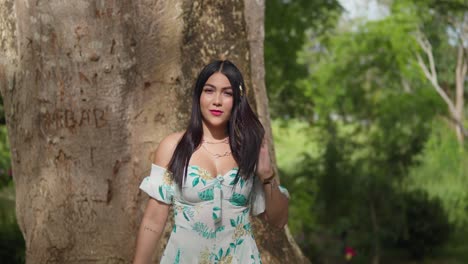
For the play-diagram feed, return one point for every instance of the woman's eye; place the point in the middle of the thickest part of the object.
(208, 90)
(229, 93)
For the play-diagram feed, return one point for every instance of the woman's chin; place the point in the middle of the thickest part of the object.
(216, 123)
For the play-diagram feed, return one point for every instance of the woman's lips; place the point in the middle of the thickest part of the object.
(216, 112)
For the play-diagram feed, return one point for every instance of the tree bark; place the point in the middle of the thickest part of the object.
(90, 88)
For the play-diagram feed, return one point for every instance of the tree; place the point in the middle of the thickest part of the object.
(286, 27)
(447, 29)
(373, 106)
(90, 88)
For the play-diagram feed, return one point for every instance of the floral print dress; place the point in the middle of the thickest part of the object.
(211, 215)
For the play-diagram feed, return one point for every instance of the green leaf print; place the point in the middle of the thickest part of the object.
(215, 216)
(177, 258)
(233, 223)
(233, 182)
(205, 231)
(242, 182)
(219, 228)
(238, 199)
(239, 241)
(185, 215)
(161, 192)
(206, 195)
(246, 211)
(195, 182)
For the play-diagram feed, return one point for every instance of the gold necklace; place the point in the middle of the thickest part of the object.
(216, 155)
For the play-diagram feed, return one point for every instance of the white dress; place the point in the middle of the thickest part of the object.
(211, 215)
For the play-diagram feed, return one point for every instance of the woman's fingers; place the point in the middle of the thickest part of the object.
(264, 168)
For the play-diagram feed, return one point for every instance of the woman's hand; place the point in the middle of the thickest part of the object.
(264, 168)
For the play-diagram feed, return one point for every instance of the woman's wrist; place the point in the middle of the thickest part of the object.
(269, 179)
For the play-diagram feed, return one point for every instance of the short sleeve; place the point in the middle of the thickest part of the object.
(258, 197)
(159, 184)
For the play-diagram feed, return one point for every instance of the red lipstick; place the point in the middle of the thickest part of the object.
(216, 112)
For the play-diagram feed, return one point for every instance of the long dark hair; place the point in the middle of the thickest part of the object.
(245, 130)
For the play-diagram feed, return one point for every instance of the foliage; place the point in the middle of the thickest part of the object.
(293, 150)
(442, 172)
(12, 245)
(5, 167)
(2, 112)
(371, 109)
(286, 23)
(427, 225)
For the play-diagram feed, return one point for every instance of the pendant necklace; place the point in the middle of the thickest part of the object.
(216, 155)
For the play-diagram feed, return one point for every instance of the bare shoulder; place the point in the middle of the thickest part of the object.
(166, 149)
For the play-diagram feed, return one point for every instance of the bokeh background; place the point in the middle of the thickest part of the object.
(365, 139)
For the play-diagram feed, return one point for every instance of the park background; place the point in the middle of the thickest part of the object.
(365, 105)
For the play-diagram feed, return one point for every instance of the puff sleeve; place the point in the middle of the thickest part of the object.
(159, 184)
(258, 197)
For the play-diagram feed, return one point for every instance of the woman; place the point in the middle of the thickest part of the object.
(214, 174)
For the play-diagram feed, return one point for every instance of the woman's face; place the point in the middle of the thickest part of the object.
(216, 100)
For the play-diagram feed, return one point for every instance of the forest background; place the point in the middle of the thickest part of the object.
(369, 135)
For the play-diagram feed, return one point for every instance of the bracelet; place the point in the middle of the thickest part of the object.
(269, 179)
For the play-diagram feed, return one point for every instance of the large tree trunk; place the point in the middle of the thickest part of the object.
(90, 88)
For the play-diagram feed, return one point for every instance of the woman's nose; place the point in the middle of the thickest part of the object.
(217, 99)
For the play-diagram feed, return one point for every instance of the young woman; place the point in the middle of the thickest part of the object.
(213, 174)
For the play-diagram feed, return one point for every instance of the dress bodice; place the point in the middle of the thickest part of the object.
(211, 215)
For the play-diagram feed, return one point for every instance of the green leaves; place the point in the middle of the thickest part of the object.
(366, 110)
(195, 181)
(286, 24)
(206, 195)
(238, 199)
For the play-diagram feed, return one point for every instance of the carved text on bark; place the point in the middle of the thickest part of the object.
(72, 118)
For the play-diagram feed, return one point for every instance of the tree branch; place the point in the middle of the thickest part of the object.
(436, 85)
(431, 75)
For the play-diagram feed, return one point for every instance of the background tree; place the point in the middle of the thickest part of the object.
(90, 88)
(443, 27)
(372, 130)
(286, 25)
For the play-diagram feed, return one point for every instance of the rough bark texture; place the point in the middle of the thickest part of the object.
(90, 88)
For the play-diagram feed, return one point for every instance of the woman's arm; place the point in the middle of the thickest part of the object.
(151, 227)
(156, 212)
(276, 203)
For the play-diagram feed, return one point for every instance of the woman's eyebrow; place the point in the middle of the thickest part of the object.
(223, 88)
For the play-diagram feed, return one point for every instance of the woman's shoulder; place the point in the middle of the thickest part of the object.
(172, 139)
(166, 148)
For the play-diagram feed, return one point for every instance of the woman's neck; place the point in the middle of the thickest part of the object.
(214, 133)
